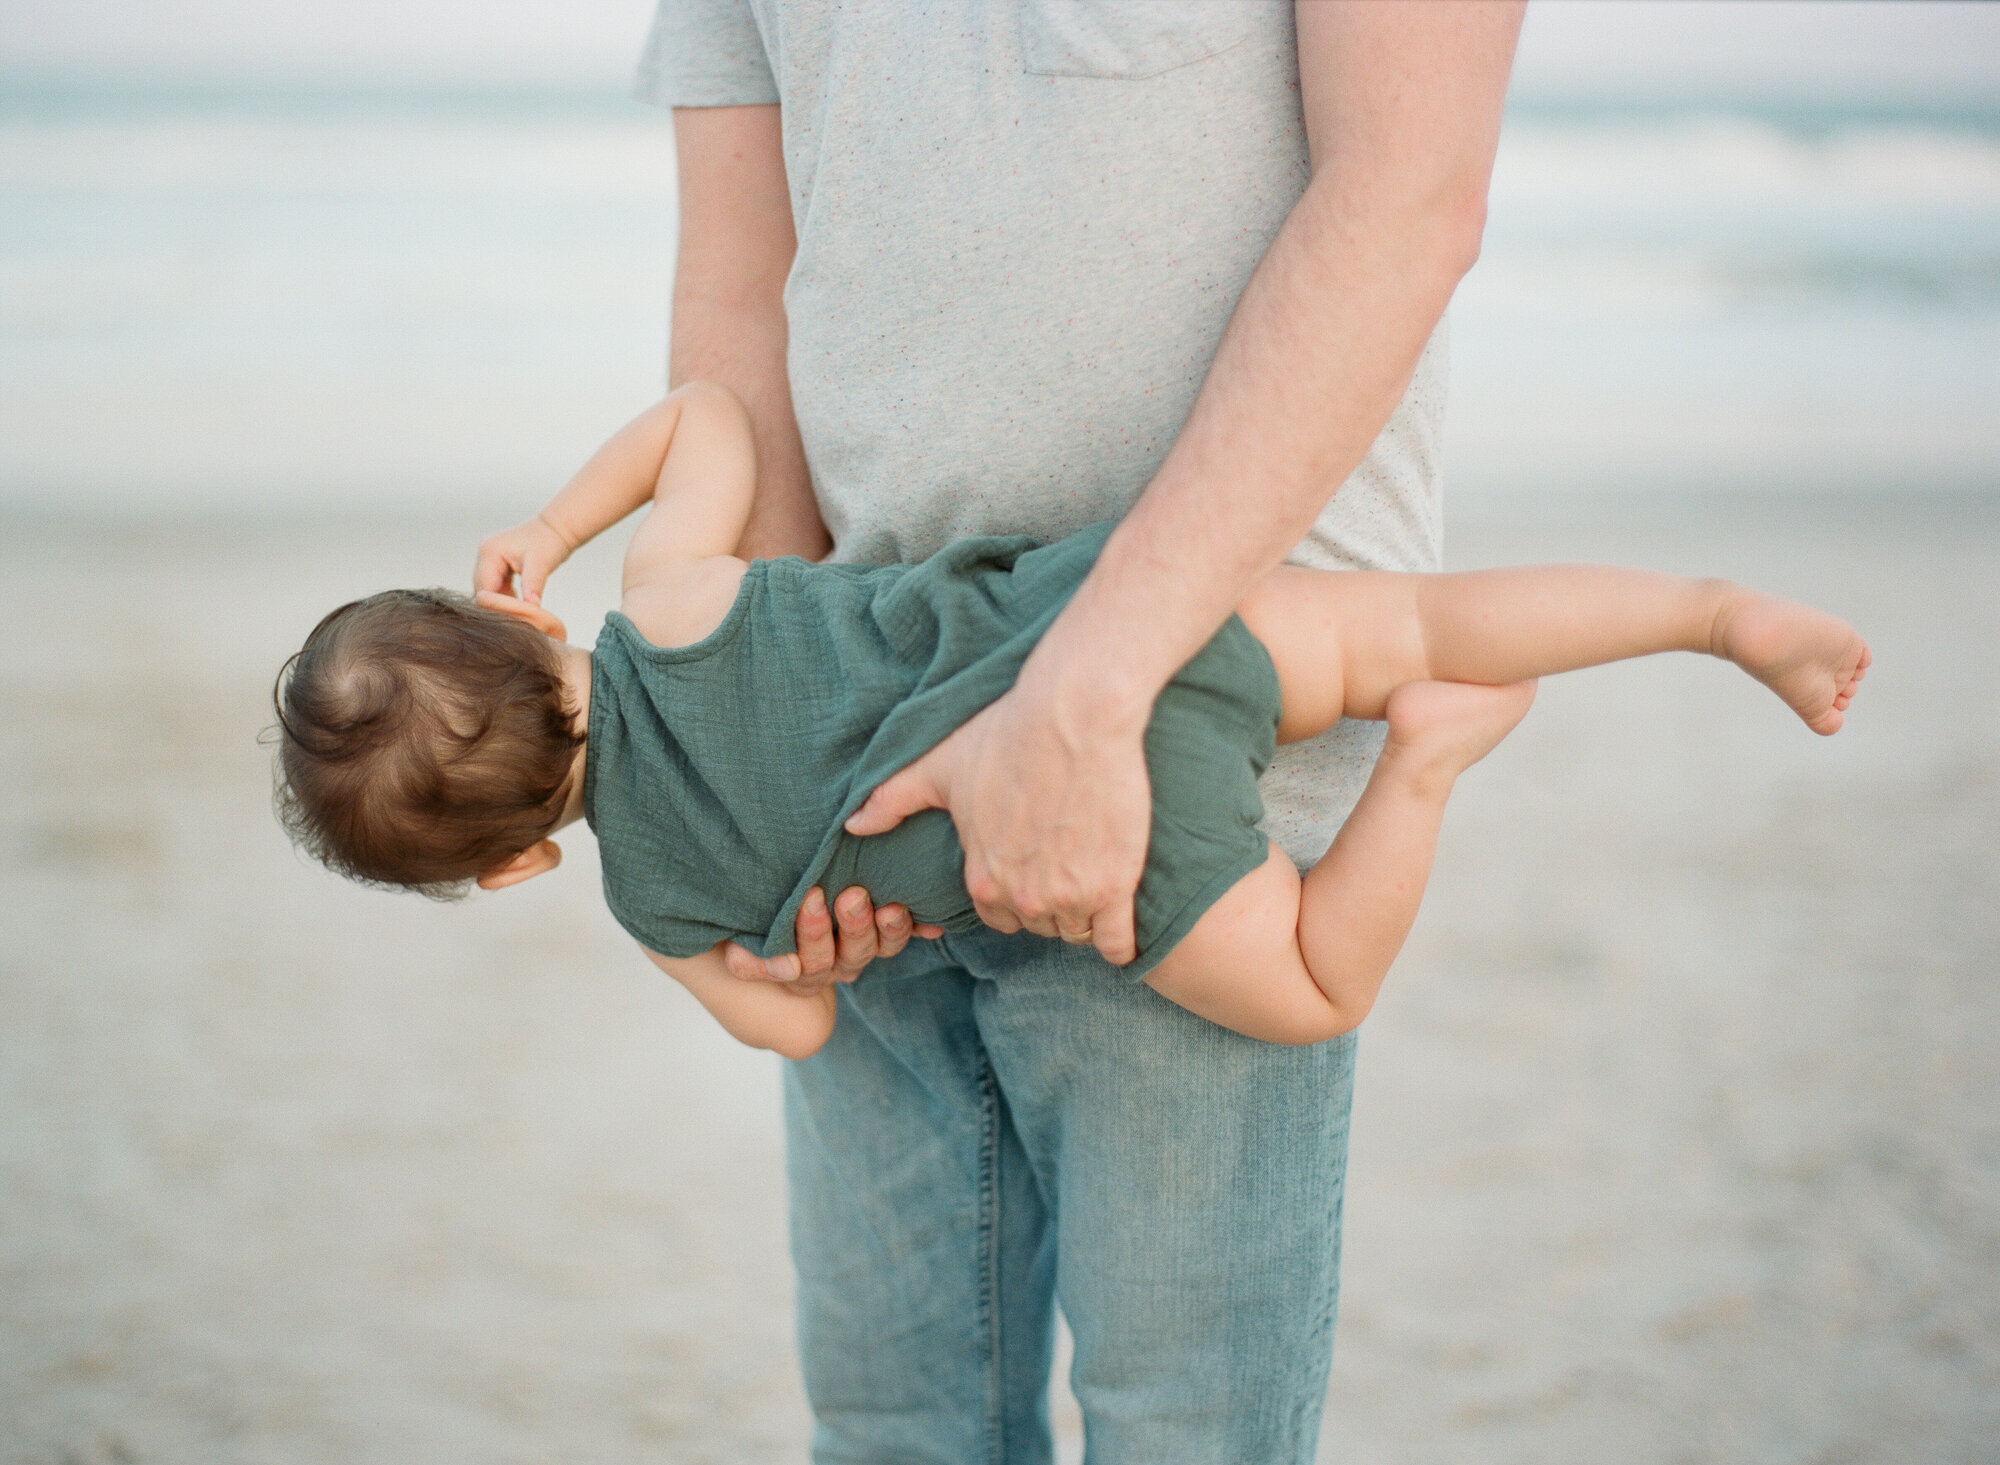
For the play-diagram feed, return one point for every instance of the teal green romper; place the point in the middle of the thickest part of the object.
(717, 775)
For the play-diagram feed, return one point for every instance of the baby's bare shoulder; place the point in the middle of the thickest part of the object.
(680, 602)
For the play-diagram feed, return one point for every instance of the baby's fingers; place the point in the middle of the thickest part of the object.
(493, 570)
(535, 572)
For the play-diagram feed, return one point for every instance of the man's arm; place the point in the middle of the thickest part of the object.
(1048, 786)
(736, 248)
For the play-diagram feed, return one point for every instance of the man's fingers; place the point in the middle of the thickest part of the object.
(806, 970)
(1109, 927)
(987, 901)
(746, 966)
(893, 801)
(1072, 918)
(999, 917)
(1111, 933)
(1045, 923)
(817, 961)
(854, 913)
(895, 927)
(814, 935)
(892, 930)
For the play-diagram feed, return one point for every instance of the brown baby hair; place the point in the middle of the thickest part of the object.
(421, 741)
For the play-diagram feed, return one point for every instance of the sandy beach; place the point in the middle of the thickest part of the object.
(1677, 1136)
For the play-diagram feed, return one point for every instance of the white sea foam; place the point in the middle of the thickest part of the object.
(1703, 159)
(1707, 212)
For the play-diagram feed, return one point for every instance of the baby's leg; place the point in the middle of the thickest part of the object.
(1293, 961)
(1343, 641)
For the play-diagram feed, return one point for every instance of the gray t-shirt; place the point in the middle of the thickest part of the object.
(1021, 231)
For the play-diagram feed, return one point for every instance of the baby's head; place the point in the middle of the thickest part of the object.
(422, 740)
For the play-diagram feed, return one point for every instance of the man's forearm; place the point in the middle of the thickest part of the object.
(1316, 358)
(1402, 107)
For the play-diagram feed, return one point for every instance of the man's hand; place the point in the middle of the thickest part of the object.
(532, 551)
(1053, 807)
(831, 948)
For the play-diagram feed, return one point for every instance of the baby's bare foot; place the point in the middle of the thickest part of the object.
(1443, 728)
(1811, 659)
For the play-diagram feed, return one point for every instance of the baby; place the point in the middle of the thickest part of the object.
(734, 717)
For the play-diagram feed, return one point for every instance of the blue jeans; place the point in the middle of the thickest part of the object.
(999, 1123)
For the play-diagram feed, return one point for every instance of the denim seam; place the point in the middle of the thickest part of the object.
(1328, 1308)
(989, 1262)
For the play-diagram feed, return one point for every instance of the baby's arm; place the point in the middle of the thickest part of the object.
(692, 456)
(762, 1014)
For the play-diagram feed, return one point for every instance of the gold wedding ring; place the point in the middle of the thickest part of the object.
(1080, 938)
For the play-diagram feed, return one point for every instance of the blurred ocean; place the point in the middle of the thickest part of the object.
(300, 302)
(309, 299)
(1740, 297)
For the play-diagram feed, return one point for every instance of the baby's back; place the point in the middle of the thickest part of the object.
(718, 774)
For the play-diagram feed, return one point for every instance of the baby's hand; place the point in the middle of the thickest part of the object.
(532, 550)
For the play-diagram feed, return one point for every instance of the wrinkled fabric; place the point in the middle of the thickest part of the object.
(717, 775)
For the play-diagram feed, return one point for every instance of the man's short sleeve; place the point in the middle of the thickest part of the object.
(705, 53)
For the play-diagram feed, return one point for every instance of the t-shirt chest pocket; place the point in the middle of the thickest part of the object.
(1127, 39)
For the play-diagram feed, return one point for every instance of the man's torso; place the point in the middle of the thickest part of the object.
(1022, 229)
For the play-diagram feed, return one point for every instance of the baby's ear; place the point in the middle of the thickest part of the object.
(536, 859)
(537, 616)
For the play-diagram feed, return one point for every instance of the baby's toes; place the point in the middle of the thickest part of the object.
(1825, 717)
